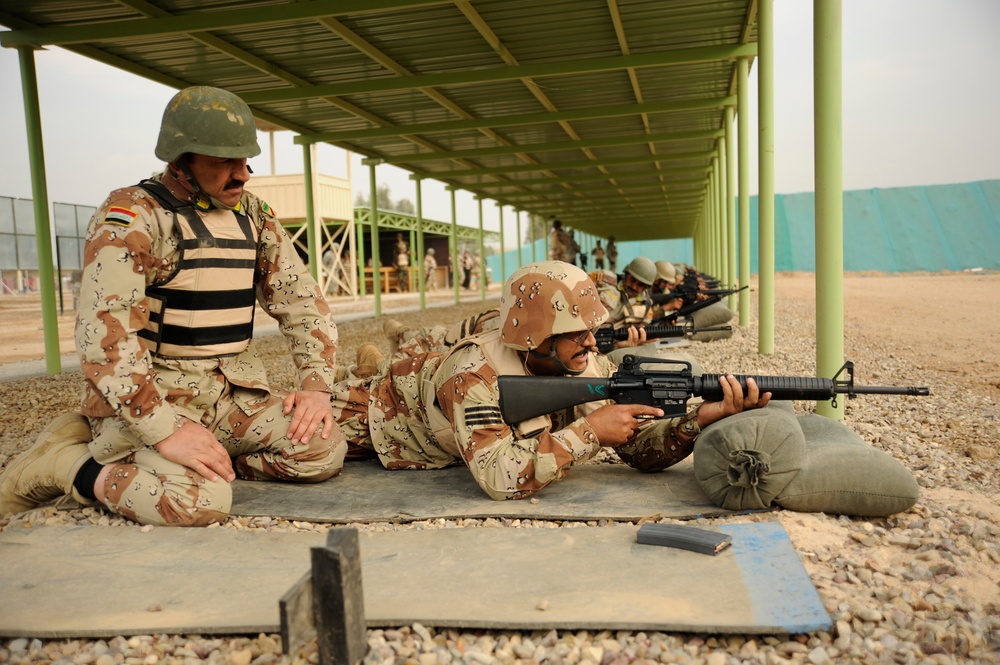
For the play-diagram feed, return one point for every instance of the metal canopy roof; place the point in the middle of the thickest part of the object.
(606, 114)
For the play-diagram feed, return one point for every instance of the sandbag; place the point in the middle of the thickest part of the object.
(842, 474)
(716, 314)
(744, 461)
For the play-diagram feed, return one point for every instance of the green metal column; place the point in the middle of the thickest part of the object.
(533, 219)
(419, 262)
(307, 175)
(730, 155)
(765, 175)
(360, 257)
(743, 118)
(453, 244)
(482, 253)
(40, 200)
(520, 239)
(716, 219)
(724, 246)
(827, 86)
(371, 163)
(503, 263)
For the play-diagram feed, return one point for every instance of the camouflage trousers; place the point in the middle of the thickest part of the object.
(383, 416)
(146, 487)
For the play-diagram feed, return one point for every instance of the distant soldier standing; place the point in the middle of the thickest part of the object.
(430, 270)
(612, 250)
(402, 264)
(572, 247)
(598, 253)
(558, 242)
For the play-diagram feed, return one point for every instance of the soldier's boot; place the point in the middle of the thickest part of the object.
(340, 373)
(393, 330)
(369, 358)
(46, 470)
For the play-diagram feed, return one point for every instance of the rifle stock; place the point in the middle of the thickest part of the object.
(525, 397)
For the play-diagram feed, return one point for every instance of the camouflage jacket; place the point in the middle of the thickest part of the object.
(132, 244)
(622, 308)
(436, 410)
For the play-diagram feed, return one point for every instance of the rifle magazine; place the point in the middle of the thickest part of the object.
(689, 538)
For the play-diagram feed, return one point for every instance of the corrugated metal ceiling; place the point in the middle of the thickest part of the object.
(603, 113)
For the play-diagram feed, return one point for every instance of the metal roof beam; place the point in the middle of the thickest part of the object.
(199, 21)
(629, 175)
(591, 190)
(523, 119)
(585, 198)
(555, 146)
(575, 164)
(469, 77)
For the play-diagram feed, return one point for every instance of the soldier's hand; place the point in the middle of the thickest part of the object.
(733, 400)
(617, 424)
(310, 410)
(196, 448)
(636, 336)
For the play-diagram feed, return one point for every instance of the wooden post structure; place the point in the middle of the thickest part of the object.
(329, 603)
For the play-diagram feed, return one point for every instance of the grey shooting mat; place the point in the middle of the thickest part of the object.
(88, 581)
(367, 492)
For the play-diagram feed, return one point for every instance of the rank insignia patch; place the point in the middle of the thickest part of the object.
(120, 216)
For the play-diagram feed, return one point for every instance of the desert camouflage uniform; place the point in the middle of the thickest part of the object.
(612, 252)
(435, 410)
(623, 310)
(135, 399)
(558, 244)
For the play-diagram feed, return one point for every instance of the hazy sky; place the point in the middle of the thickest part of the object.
(921, 106)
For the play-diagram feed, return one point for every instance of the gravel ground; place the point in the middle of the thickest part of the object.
(918, 587)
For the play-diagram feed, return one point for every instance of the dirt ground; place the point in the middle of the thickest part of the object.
(948, 321)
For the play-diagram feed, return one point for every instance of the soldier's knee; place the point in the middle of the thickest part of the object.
(329, 466)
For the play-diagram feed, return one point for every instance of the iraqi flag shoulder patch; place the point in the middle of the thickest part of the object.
(120, 216)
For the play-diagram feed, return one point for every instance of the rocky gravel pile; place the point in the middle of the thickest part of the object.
(918, 587)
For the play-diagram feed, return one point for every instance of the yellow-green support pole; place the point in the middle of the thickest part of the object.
(503, 263)
(827, 84)
(743, 120)
(533, 219)
(371, 163)
(765, 175)
(453, 244)
(520, 239)
(723, 224)
(419, 261)
(730, 155)
(40, 201)
(482, 253)
(307, 175)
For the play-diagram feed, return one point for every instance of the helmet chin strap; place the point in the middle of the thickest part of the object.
(200, 199)
(560, 365)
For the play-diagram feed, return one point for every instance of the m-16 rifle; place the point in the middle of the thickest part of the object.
(690, 306)
(525, 397)
(607, 335)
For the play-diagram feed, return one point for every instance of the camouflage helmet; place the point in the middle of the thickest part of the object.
(665, 270)
(642, 269)
(207, 121)
(545, 299)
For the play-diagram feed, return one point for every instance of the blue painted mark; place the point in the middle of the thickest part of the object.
(777, 584)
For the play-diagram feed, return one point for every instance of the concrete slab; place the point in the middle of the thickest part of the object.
(99, 581)
(367, 492)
